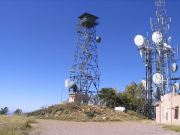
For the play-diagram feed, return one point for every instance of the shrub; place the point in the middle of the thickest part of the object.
(4, 111)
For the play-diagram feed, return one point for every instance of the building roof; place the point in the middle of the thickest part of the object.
(88, 15)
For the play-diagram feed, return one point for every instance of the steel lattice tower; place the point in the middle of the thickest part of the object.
(163, 57)
(85, 71)
(159, 57)
(149, 89)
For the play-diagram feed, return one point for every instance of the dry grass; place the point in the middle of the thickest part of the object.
(14, 125)
(172, 127)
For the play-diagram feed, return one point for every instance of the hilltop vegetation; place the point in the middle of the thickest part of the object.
(74, 112)
(133, 99)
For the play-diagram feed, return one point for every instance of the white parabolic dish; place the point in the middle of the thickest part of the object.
(157, 37)
(143, 82)
(176, 86)
(69, 83)
(167, 46)
(98, 39)
(158, 78)
(174, 67)
(139, 40)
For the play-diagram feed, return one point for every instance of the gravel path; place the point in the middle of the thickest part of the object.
(54, 127)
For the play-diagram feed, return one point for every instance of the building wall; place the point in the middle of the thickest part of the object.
(78, 98)
(71, 98)
(165, 110)
(176, 103)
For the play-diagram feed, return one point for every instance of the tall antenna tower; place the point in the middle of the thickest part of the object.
(164, 53)
(84, 75)
(159, 58)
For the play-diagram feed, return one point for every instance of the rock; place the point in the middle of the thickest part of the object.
(104, 118)
(46, 115)
(57, 114)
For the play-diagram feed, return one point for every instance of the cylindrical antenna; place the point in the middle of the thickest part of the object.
(177, 51)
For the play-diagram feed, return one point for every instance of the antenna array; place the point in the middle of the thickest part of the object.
(159, 57)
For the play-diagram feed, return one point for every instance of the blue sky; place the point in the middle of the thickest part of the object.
(38, 40)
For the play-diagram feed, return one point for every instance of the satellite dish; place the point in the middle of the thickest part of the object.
(169, 39)
(98, 39)
(174, 67)
(139, 40)
(158, 78)
(176, 86)
(157, 37)
(167, 47)
(74, 87)
(143, 82)
(71, 84)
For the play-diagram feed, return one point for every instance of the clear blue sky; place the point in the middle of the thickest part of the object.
(38, 39)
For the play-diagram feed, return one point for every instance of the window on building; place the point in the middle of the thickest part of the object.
(166, 115)
(176, 115)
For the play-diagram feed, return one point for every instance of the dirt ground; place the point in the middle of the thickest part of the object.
(55, 127)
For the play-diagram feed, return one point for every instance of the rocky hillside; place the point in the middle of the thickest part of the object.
(76, 112)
